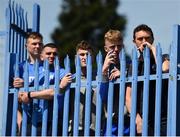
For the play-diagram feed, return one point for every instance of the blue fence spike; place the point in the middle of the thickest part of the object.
(122, 59)
(134, 93)
(36, 19)
(122, 55)
(98, 97)
(45, 102)
(35, 101)
(77, 97)
(157, 123)
(146, 91)
(55, 103)
(176, 38)
(15, 100)
(66, 100)
(88, 96)
(13, 12)
(109, 107)
(24, 106)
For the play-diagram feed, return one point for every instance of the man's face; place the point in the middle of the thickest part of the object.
(115, 46)
(49, 54)
(141, 37)
(83, 54)
(34, 46)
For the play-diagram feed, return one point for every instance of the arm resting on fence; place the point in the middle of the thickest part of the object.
(43, 94)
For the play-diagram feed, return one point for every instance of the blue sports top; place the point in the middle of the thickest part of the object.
(41, 73)
(31, 70)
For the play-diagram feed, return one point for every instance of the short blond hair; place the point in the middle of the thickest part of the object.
(113, 35)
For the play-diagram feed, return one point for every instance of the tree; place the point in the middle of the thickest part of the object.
(86, 20)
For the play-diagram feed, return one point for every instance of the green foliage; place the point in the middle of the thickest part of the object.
(86, 20)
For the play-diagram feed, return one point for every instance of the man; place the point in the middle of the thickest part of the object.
(143, 37)
(82, 49)
(113, 44)
(49, 52)
(34, 43)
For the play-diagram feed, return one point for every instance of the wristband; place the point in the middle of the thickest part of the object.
(29, 95)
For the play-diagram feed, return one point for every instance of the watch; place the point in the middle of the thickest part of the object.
(29, 95)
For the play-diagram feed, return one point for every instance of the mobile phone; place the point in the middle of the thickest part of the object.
(110, 68)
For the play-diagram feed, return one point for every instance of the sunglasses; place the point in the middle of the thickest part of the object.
(49, 53)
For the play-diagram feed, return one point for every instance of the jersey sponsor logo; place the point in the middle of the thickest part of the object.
(31, 79)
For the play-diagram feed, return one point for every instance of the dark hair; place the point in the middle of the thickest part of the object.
(143, 27)
(34, 35)
(84, 45)
(51, 45)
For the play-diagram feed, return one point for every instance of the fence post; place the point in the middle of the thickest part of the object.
(14, 34)
(146, 91)
(158, 94)
(173, 120)
(122, 58)
(77, 98)
(36, 18)
(6, 75)
(66, 102)
(98, 97)
(176, 39)
(134, 93)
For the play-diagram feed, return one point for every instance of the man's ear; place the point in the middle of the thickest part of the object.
(105, 49)
(41, 56)
(26, 45)
(133, 41)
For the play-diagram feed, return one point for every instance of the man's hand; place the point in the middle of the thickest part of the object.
(115, 73)
(67, 79)
(165, 66)
(139, 124)
(23, 97)
(108, 60)
(143, 45)
(18, 82)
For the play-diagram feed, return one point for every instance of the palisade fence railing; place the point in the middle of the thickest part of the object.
(14, 37)
(15, 53)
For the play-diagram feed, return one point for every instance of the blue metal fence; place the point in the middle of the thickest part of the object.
(15, 33)
(16, 30)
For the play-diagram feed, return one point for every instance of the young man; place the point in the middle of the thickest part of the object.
(34, 43)
(113, 45)
(143, 37)
(49, 52)
(110, 71)
(82, 49)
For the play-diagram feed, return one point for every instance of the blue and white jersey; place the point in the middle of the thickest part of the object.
(51, 76)
(31, 71)
(41, 74)
(41, 70)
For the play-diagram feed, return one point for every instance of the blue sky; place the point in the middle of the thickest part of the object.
(160, 15)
